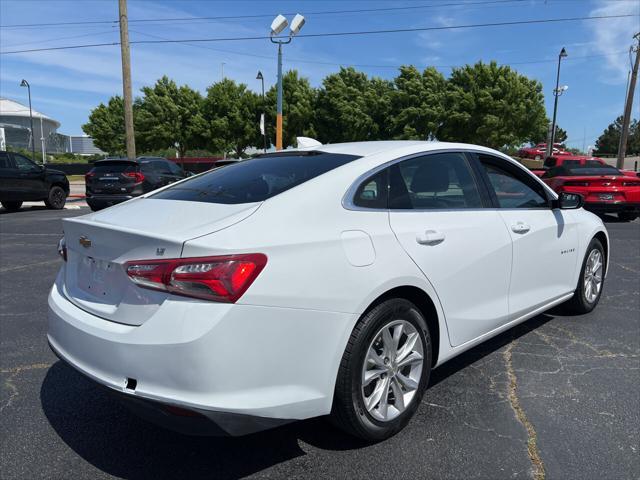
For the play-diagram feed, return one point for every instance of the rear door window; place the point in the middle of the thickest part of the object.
(436, 181)
(257, 179)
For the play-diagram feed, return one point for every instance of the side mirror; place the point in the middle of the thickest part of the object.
(568, 201)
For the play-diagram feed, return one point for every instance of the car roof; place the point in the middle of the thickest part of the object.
(365, 149)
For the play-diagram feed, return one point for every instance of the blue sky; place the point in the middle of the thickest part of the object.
(67, 84)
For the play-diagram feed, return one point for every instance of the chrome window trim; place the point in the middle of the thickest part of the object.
(348, 198)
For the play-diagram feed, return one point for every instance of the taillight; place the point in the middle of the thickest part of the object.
(62, 249)
(89, 175)
(139, 177)
(576, 184)
(220, 279)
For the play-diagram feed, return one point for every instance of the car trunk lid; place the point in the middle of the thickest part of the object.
(99, 244)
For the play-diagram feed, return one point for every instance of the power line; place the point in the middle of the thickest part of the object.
(264, 15)
(332, 34)
(61, 38)
(363, 65)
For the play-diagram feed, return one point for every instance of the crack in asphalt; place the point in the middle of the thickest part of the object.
(28, 265)
(532, 439)
(13, 372)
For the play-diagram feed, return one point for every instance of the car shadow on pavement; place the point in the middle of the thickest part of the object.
(104, 433)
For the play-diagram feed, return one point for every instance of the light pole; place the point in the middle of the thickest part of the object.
(24, 83)
(277, 26)
(556, 93)
(262, 119)
(42, 146)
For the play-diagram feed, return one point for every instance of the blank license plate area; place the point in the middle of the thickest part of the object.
(97, 277)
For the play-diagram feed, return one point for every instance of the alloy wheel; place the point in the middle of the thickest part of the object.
(392, 370)
(593, 276)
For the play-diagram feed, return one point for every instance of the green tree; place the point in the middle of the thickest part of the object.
(494, 106)
(417, 103)
(352, 107)
(232, 113)
(168, 114)
(298, 101)
(560, 136)
(609, 141)
(106, 126)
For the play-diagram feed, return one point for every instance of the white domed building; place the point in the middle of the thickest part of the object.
(14, 119)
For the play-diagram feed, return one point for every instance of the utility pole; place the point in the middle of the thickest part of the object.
(126, 80)
(626, 119)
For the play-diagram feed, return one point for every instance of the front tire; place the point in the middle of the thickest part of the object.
(12, 206)
(591, 280)
(57, 198)
(384, 371)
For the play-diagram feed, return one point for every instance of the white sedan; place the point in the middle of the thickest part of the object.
(326, 280)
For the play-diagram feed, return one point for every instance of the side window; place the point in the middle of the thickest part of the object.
(23, 163)
(175, 169)
(4, 161)
(163, 167)
(436, 181)
(372, 193)
(571, 162)
(513, 190)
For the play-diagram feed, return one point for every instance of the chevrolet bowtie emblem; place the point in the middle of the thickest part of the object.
(84, 241)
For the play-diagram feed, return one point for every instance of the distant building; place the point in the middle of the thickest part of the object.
(83, 145)
(15, 121)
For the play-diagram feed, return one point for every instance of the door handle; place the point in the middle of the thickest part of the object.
(520, 227)
(430, 237)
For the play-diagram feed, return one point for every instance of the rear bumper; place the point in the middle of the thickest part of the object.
(242, 367)
(192, 421)
(104, 201)
(603, 207)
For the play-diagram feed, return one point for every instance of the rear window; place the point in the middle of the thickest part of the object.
(114, 167)
(593, 163)
(572, 171)
(255, 180)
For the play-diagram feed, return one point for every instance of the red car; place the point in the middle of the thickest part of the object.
(605, 189)
(538, 151)
(568, 160)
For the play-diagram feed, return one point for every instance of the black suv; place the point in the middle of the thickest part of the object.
(21, 180)
(116, 180)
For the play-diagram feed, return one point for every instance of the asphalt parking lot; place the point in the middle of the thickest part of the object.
(557, 397)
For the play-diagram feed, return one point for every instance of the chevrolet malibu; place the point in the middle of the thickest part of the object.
(330, 280)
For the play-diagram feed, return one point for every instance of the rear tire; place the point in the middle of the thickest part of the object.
(57, 198)
(12, 206)
(590, 282)
(627, 216)
(399, 374)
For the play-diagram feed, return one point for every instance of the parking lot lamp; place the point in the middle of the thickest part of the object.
(556, 93)
(24, 83)
(277, 26)
(263, 126)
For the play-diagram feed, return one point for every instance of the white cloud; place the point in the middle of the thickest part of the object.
(614, 36)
